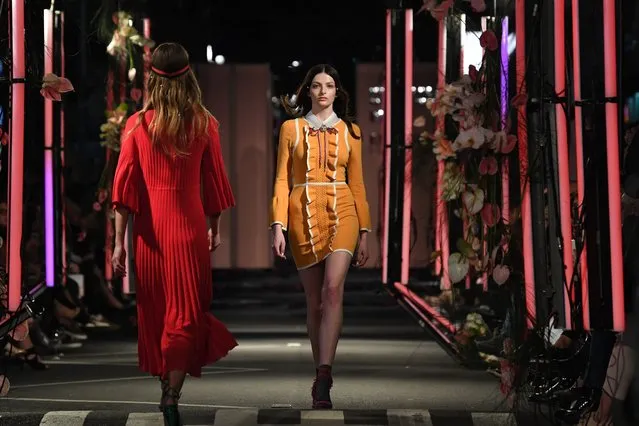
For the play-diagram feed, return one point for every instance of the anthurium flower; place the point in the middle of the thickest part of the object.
(458, 267)
(53, 86)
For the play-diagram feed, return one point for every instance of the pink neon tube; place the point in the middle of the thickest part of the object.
(16, 151)
(408, 138)
(49, 208)
(62, 143)
(147, 53)
(441, 226)
(563, 169)
(612, 144)
(522, 136)
(579, 142)
(387, 142)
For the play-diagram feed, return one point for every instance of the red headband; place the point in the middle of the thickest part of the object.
(171, 74)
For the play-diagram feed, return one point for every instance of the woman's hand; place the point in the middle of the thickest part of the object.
(118, 261)
(361, 254)
(214, 240)
(279, 242)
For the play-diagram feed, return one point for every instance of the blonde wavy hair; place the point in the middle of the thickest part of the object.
(176, 99)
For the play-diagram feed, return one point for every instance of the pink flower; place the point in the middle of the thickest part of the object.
(478, 5)
(488, 166)
(501, 273)
(488, 40)
(97, 206)
(473, 73)
(438, 10)
(53, 86)
(490, 214)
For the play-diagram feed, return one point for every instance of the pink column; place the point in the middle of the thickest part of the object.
(16, 152)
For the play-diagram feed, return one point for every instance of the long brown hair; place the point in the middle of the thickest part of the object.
(176, 99)
(302, 102)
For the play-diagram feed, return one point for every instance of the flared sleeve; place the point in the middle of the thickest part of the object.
(126, 181)
(217, 194)
(356, 182)
(281, 188)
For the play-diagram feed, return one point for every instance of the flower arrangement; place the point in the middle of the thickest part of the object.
(125, 37)
(474, 141)
(111, 130)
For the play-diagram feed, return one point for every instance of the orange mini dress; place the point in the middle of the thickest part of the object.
(319, 195)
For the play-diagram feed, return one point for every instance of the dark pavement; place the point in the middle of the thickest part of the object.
(388, 372)
(381, 377)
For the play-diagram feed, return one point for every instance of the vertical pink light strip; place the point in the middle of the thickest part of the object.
(505, 164)
(612, 144)
(49, 208)
(147, 55)
(579, 142)
(441, 230)
(522, 137)
(563, 169)
(387, 143)
(408, 140)
(62, 143)
(16, 152)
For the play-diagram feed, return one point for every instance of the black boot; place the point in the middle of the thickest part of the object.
(573, 405)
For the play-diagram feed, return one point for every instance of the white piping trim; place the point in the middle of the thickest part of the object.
(277, 223)
(324, 258)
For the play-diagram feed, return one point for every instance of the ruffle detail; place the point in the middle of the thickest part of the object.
(125, 185)
(311, 213)
(332, 156)
(333, 219)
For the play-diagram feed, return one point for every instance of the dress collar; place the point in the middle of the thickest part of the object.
(317, 124)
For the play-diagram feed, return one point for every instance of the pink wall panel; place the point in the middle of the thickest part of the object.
(238, 96)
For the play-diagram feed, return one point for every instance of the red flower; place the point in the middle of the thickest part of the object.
(488, 166)
(488, 40)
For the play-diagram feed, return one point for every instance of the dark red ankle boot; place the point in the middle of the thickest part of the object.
(322, 388)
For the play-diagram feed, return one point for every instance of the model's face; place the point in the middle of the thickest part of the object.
(323, 90)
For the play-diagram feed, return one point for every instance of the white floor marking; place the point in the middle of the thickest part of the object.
(144, 419)
(408, 418)
(64, 418)
(124, 379)
(96, 401)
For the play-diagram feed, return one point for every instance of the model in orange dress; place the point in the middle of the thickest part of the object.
(170, 176)
(320, 199)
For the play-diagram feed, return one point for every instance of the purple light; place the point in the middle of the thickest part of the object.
(49, 243)
(504, 71)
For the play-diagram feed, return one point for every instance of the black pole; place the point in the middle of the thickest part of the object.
(398, 144)
(57, 150)
(597, 224)
(534, 81)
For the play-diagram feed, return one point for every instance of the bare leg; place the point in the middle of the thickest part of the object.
(621, 370)
(171, 389)
(312, 282)
(336, 268)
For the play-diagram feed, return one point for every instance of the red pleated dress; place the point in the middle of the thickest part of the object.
(170, 198)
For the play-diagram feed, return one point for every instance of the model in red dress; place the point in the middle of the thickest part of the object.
(171, 185)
